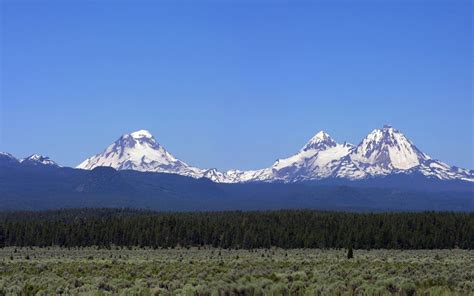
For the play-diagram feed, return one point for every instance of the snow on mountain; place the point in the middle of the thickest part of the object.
(383, 152)
(141, 152)
(387, 151)
(440, 170)
(215, 175)
(315, 160)
(38, 160)
(320, 141)
(380, 153)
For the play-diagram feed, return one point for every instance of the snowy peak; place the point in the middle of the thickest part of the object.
(387, 151)
(315, 160)
(38, 160)
(320, 141)
(388, 148)
(141, 152)
(138, 138)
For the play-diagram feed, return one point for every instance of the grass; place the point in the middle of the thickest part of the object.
(204, 271)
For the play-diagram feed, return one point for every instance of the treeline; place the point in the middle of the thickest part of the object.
(285, 229)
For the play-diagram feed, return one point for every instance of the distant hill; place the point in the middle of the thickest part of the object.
(37, 187)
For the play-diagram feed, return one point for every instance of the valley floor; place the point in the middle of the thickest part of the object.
(181, 271)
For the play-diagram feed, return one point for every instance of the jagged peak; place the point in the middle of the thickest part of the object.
(34, 157)
(320, 140)
(321, 136)
(39, 159)
(387, 147)
(387, 135)
(382, 133)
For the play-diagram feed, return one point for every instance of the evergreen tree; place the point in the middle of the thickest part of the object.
(284, 229)
(350, 253)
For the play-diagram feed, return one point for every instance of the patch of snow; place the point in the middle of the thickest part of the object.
(141, 134)
(37, 159)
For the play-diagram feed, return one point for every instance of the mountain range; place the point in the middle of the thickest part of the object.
(385, 171)
(34, 160)
(383, 152)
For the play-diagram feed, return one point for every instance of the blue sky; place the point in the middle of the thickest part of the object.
(234, 84)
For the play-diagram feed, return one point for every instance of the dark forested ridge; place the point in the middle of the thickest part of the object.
(285, 229)
(37, 188)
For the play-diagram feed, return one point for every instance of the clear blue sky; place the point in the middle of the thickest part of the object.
(234, 84)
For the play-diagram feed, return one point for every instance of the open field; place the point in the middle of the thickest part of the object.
(203, 271)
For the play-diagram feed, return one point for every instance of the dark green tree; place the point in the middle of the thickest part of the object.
(350, 253)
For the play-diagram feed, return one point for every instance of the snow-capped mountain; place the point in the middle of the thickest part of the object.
(383, 152)
(38, 160)
(387, 151)
(315, 160)
(141, 152)
(6, 159)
